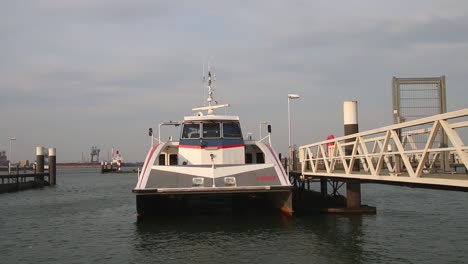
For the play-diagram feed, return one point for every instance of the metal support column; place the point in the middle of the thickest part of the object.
(323, 187)
(40, 163)
(52, 167)
(353, 188)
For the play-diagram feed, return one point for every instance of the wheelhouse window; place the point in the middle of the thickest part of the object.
(191, 131)
(232, 130)
(211, 130)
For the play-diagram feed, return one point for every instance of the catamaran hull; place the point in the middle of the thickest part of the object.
(203, 200)
(163, 189)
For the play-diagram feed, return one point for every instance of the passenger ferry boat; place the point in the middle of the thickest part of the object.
(212, 166)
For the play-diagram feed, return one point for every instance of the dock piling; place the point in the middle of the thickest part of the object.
(52, 166)
(323, 187)
(40, 163)
(353, 188)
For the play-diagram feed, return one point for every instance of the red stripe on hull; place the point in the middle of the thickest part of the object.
(267, 178)
(146, 164)
(277, 162)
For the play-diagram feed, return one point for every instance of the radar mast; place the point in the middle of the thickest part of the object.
(211, 107)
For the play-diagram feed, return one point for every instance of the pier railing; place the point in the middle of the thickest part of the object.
(21, 181)
(392, 150)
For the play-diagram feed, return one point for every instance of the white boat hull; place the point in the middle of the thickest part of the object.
(165, 189)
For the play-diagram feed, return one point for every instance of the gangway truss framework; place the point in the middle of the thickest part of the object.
(389, 154)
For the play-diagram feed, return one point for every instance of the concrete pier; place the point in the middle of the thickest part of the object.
(306, 200)
(37, 179)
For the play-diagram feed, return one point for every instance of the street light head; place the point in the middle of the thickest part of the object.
(293, 96)
(12, 138)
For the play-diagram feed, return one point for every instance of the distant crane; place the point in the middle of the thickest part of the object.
(95, 154)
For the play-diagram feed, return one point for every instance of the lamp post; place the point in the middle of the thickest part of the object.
(262, 123)
(9, 156)
(290, 96)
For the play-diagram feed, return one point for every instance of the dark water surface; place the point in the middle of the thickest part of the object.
(90, 218)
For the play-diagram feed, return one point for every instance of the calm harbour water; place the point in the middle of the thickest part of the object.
(90, 218)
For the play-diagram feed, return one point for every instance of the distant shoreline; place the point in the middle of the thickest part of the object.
(84, 165)
(78, 165)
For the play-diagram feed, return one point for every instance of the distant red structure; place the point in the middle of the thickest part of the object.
(330, 144)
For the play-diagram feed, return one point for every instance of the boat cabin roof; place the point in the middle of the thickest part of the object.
(211, 118)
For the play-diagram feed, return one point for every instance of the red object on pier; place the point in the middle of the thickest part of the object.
(329, 144)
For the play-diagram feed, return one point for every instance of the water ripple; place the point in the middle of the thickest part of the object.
(90, 218)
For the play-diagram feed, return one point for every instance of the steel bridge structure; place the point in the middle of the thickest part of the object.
(389, 155)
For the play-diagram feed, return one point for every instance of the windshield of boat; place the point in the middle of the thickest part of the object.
(191, 131)
(211, 130)
(232, 130)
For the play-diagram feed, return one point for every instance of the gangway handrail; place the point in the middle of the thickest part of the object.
(371, 148)
(422, 121)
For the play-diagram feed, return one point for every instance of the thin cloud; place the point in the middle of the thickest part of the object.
(115, 68)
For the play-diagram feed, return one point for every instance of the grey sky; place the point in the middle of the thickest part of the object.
(74, 74)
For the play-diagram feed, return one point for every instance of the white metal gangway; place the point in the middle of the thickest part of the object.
(390, 154)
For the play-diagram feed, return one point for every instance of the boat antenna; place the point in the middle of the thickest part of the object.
(210, 99)
(203, 84)
(210, 92)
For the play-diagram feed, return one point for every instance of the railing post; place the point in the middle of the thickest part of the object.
(17, 181)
